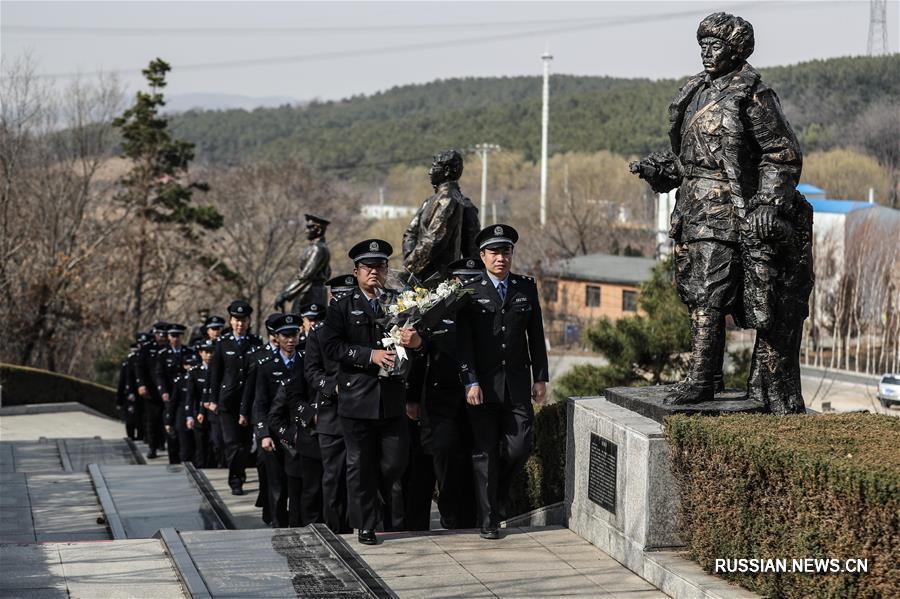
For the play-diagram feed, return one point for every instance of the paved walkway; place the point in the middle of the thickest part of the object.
(549, 561)
(132, 568)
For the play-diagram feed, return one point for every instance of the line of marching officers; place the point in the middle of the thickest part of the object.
(338, 438)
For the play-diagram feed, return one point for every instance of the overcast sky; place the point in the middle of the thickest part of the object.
(330, 50)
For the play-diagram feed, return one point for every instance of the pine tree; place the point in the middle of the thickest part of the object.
(156, 186)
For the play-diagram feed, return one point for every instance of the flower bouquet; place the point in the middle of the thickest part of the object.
(419, 307)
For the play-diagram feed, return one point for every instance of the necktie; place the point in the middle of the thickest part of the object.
(501, 290)
(374, 303)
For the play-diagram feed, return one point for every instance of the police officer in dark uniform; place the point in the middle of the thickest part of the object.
(372, 400)
(196, 416)
(340, 286)
(169, 366)
(212, 329)
(443, 425)
(154, 431)
(503, 359)
(289, 423)
(228, 370)
(259, 357)
(130, 404)
(283, 363)
(181, 438)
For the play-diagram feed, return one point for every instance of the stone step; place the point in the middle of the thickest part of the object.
(296, 562)
(140, 500)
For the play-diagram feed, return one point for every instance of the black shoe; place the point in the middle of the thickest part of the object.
(492, 532)
(151, 455)
(237, 491)
(367, 537)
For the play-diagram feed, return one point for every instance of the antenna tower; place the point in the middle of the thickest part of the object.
(878, 44)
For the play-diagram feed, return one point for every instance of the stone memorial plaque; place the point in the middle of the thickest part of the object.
(602, 473)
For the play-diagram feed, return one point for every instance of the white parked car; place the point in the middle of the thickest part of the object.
(889, 390)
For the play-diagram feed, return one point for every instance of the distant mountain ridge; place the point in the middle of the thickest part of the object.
(213, 101)
(362, 136)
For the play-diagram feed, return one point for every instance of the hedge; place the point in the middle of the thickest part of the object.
(760, 486)
(543, 480)
(21, 385)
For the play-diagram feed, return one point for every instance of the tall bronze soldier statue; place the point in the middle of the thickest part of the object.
(741, 230)
(308, 287)
(444, 228)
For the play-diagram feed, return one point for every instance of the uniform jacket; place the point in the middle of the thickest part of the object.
(174, 414)
(145, 368)
(348, 337)
(257, 359)
(168, 367)
(322, 377)
(742, 137)
(197, 391)
(501, 344)
(443, 230)
(228, 371)
(269, 376)
(286, 425)
(126, 384)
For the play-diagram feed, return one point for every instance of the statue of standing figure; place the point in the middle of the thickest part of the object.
(444, 228)
(742, 232)
(308, 287)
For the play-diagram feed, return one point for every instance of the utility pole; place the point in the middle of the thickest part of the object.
(546, 57)
(484, 150)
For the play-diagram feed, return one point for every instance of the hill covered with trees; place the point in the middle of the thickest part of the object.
(365, 135)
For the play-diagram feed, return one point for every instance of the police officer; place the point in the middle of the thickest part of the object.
(340, 286)
(126, 391)
(169, 366)
(301, 461)
(195, 414)
(228, 370)
(154, 431)
(281, 363)
(213, 327)
(372, 400)
(182, 439)
(501, 334)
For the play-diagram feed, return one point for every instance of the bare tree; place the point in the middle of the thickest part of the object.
(877, 130)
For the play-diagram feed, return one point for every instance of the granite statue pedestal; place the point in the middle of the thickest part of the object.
(620, 492)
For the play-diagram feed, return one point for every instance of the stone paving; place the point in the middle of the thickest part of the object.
(112, 569)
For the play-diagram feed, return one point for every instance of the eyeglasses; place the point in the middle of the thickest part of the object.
(373, 267)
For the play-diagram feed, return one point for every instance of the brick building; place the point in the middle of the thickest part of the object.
(580, 290)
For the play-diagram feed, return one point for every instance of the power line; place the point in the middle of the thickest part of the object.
(400, 48)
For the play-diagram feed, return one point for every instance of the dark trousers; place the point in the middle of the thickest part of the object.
(217, 446)
(234, 448)
(418, 482)
(134, 418)
(334, 481)
(186, 445)
(377, 451)
(305, 492)
(273, 487)
(450, 440)
(204, 456)
(155, 430)
(502, 438)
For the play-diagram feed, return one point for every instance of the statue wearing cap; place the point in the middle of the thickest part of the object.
(315, 268)
(741, 229)
(444, 228)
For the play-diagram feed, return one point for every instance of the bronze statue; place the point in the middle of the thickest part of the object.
(444, 228)
(308, 287)
(742, 232)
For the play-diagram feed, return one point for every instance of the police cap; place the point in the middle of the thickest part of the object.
(160, 326)
(313, 311)
(271, 320)
(341, 283)
(206, 345)
(496, 236)
(214, 322)
(176, 330)
(465, 267)
(287, 324)
(239, 308)
(370, 251)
